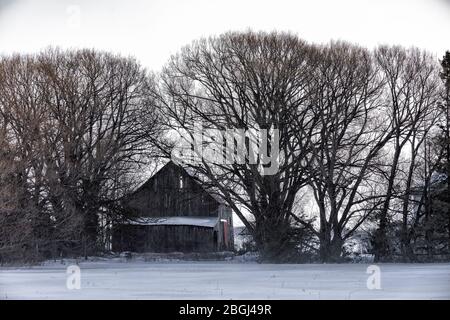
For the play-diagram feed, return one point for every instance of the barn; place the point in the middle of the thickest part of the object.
(172, 212)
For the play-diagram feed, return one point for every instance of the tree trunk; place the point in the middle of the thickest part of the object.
(330, 249)
(90, 232)
(381, 245)
(272, 238)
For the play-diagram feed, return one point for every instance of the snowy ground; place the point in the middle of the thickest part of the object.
(113, 279)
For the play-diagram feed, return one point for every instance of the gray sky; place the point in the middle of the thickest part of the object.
(152, 30)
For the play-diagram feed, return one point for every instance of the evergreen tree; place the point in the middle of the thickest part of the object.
(443, 198)
(445, 137)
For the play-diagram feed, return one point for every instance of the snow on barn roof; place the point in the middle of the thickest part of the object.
(209, 222)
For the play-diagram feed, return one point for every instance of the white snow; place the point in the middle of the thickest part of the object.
(116, 279)
(183, 221)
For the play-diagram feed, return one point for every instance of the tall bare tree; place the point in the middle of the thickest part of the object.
(248, 81)
(351, 134)
(77, 118)
(25, 214)
(412, 93)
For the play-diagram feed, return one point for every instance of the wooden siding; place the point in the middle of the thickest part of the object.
(164, 195)
(164, 238)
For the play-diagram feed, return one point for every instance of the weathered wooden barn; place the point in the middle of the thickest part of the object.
(173, 212)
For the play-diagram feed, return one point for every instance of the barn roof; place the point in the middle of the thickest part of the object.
(209, 222)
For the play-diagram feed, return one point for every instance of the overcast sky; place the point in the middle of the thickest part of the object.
(152, 30)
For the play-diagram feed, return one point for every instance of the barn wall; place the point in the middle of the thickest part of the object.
(137, 238)
(165, 195)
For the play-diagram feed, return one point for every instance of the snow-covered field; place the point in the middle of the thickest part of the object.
(113, 279)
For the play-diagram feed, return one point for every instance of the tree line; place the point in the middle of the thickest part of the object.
(73, 127)
(363, 141)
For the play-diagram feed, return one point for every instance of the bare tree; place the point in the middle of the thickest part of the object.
(96, 102)
(248, 81)
(412, 95)
(25, 214)
(77, 119)
(347, 148)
